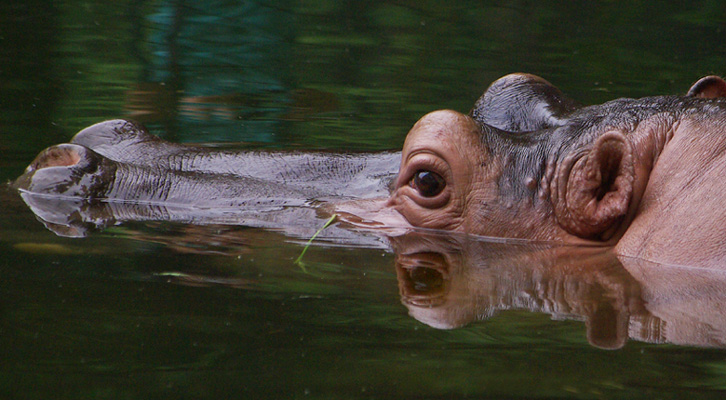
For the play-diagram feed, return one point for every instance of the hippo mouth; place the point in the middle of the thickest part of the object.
(370, 214)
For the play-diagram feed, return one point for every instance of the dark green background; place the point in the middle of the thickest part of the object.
(92, 318)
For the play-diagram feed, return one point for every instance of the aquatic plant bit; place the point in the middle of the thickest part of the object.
(298, 261)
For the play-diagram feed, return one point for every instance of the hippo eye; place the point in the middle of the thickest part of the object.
(428, 183)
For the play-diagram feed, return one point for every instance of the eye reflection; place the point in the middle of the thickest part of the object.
(428, 183)
(426, 279)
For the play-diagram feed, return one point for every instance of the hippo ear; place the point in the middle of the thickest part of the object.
(709, 87)
(607, 327)
(592, 193)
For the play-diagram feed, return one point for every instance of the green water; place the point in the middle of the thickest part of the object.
(155, 310)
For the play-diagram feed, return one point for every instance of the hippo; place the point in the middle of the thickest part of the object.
(639, 176)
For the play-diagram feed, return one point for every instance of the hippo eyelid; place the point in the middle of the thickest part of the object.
(425, 161)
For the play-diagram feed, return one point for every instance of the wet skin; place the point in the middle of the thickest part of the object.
(642, 176)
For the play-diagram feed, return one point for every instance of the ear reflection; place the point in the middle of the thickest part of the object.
(447, 281)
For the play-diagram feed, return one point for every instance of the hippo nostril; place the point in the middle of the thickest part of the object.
(57, 156)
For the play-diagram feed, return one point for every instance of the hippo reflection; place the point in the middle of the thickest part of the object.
(642, 176)
(448, 280)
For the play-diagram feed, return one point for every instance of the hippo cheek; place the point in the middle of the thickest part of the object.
(592, 192)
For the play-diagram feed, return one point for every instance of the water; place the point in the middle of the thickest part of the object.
(165, 310)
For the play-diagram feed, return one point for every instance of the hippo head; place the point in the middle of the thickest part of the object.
(459, 175)
(528, 162)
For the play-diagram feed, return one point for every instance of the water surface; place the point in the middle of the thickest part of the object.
(168, 310)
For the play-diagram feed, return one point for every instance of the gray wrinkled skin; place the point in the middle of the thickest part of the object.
(122, 173)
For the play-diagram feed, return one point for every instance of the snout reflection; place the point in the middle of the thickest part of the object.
(448, 281)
